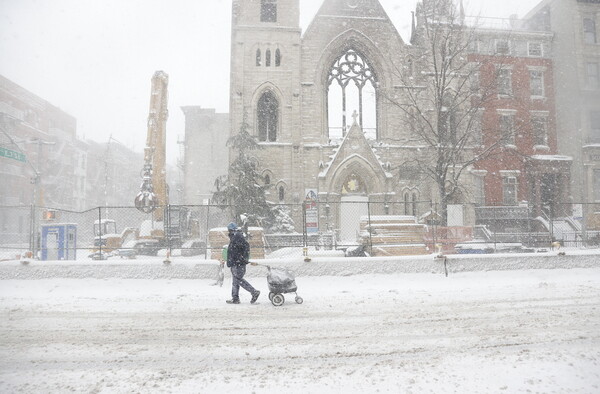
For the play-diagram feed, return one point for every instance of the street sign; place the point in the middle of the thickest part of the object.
(312, 211)
(11, 154)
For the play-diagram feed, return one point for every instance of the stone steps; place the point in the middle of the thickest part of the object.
(393, 235)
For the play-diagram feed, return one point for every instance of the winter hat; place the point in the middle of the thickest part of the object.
(232, 226)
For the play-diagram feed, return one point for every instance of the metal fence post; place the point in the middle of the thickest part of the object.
(206, 238)
(100, 232)
(369, 227)
(304, 233)
(32, 230)
(529, 238)
(167, 229)
(433, 221)
(584, 234)
(551, 226)
(495, 223)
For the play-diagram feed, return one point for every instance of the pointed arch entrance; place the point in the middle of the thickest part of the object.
(354, 205)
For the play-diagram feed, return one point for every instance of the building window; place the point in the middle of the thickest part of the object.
(592, 76)
(594, 127)
(536, 83)
(479, 189)
(267, 180)
(509, 190)
(502, 47)
(268, 117)
(448, 125)
(474, 82)
(268, 11)
(534, 49)
(268, 58)
(277, 57)
(410, 204)
(474, 46)
(477, 127)
(540, 130)
(597, 185)
(504, 82)
(589, 31)
(414, 204)
(281, 194)
(351, 91)
(507, 129)
(258, 57)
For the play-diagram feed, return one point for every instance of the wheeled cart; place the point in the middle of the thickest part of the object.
(281, 281)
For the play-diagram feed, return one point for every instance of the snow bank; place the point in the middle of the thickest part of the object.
(319, 266)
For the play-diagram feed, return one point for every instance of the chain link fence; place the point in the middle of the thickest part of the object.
(352, 227)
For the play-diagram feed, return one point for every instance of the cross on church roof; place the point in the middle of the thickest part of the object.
(355, 115)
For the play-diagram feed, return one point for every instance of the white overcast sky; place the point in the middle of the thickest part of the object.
(95, 58)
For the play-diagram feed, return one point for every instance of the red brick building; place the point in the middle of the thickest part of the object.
(524, 176)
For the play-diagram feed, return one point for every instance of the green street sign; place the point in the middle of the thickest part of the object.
(11, 154)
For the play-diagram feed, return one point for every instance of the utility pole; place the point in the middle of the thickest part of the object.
(37, 192)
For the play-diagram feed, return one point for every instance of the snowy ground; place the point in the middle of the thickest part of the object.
(485, 332)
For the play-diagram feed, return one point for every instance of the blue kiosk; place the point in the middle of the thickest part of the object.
(59, 241)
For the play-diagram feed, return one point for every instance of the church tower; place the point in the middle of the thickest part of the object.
(265, 48)
(265, 87)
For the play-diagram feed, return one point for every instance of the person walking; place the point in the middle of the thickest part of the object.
(238, 253)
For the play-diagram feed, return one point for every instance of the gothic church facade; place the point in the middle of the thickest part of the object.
(315, 102)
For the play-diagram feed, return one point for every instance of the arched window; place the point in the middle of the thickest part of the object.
(267, 117)
(406, 204)
(414, 204)
(448, 119)
(268, 58)
(258, 57)
(267, 179)
(277, 57)
(281, 193)
(351, 88)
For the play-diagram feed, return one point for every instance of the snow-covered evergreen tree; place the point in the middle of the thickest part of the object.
(282, 221)
(242, 191)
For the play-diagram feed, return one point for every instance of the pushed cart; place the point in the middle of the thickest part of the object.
(281, 281)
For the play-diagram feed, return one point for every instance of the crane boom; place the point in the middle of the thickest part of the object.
(153, 190)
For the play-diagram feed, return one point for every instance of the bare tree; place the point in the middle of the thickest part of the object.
(443, 98)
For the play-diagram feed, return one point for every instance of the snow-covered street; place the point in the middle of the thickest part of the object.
(510, 331)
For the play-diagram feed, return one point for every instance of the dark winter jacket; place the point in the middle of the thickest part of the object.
(238, 250)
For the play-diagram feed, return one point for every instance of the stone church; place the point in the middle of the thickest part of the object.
(315, 102)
